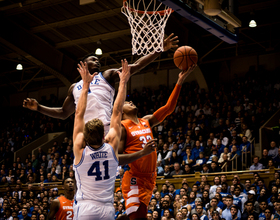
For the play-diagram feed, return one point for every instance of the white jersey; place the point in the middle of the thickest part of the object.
(100, 99)
(95, 174)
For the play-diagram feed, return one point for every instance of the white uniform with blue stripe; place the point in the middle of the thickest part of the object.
(100, 100)
(95, 179)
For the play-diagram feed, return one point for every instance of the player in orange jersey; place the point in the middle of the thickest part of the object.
(62, 207)
(138, 183)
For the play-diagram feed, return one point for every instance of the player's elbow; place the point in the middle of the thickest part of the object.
(78, 114)
(64, 116)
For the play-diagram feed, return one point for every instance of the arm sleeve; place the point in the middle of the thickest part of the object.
(166, 110)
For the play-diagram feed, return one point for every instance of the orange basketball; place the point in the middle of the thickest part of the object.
(184, 57)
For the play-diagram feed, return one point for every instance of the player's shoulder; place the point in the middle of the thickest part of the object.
(111, 75)
(127, 122)
(145, 120)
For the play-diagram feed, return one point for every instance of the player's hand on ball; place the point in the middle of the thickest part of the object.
(185, 73)
(31, 104)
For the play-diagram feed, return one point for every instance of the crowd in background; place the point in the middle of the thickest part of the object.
(204, 134)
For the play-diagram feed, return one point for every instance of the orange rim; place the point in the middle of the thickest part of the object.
(162, 12)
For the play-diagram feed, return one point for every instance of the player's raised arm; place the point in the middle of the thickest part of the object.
(169, 42)
(67, 109)
(79, 122)
(169, 107)
(113, 137)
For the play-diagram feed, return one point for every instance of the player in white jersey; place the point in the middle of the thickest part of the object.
(101, 89)
(100, 100)
(96, 162)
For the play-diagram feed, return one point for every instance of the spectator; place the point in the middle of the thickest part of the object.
(238, 199)
(246, 132)
(276, 159)
(188, 158)
(256, 165)
(273, 151)
(245, 148)
(249, 209)
(187, 169)
(226, 152)
(234, 212)
(199, 162)
(160, 170)
(217, 183)
(177, 170)
(214, 167)
(167, 172)
(24, 214)
(265, 158)
(268, 214)
(164, 155)
(199, 211)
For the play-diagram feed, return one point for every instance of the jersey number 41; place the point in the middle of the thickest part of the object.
(96, 167)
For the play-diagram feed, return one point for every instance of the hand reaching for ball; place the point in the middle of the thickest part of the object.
(184, 74)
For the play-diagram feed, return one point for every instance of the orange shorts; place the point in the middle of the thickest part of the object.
(136, 189)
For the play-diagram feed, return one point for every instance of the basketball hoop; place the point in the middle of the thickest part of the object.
(147, 22)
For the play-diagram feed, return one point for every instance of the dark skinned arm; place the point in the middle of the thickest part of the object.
(111, 75)
(129, 158)
(67, 109)
(53, 209)
(172, 101)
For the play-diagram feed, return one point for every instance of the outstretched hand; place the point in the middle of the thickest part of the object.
(31, 104)
(84, 72)
(170, 42)
(125, 72)
(184, 74)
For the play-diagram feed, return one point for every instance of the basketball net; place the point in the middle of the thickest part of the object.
(147, 24)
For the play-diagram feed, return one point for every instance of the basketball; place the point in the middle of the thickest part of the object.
(184, 57)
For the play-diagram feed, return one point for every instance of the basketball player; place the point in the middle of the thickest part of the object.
(62, 207)
(95, 161)
(100, 97)
(138, 183)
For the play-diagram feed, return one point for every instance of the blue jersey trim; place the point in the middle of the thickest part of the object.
(91, 148)
(80, 182)
(78, 212)
(82, 159)
(114, 154)
(106, 81)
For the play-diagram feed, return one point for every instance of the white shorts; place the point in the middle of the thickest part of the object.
(90, 210)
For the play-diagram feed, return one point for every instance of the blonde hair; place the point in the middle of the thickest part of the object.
(94, 132)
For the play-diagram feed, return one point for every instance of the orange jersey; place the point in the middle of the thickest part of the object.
(65, 211)
(137, 135)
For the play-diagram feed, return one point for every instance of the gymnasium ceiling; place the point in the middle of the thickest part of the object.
(49, 37)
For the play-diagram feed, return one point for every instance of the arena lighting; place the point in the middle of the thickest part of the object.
(253, 24)
(19, 67)
(98, 50)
